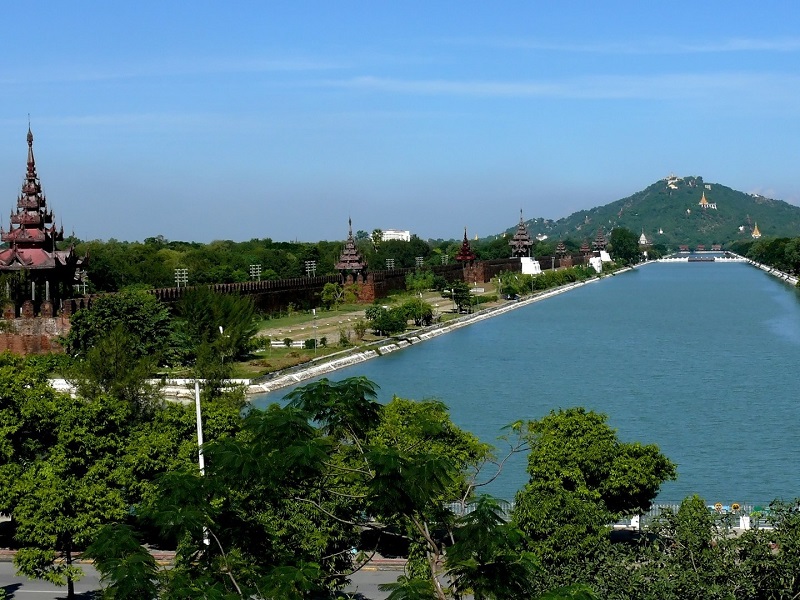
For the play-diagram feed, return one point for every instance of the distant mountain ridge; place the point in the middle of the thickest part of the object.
(679, 210)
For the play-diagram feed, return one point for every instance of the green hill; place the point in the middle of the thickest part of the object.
(668, 212)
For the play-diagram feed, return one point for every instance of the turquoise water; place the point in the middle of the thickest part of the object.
(697, 358)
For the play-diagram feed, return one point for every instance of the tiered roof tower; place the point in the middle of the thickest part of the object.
(599, 242)
(521, 242)
(465, 253)
(42, 272)
(350, 259)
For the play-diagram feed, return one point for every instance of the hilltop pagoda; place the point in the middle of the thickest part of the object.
(756, 233)
(38, 275)
(705, 203)
(350, 261)
(465, 253)
(521, 242)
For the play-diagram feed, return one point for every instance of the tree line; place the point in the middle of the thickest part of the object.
(114, 265)
(780, 253)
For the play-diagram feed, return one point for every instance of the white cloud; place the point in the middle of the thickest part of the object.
(662, 45)
(672, 86)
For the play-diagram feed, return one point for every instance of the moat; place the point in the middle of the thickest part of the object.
(698, 358)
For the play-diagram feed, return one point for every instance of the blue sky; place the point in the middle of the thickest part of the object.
(238, 120)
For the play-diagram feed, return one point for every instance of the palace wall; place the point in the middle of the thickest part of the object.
(35, 334)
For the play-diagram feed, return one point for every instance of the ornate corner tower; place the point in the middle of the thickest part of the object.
(38, 276)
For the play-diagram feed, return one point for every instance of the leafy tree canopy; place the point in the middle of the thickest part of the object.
(138, 313)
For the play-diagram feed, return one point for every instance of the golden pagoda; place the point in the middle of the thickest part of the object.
(705, 203)
(756, 233)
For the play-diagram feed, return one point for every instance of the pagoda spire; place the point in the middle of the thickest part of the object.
(599, 242)
(465, 254)
(350, 258)
(43, 275)
(521, 242)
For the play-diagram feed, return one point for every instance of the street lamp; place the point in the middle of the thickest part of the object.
(314, 327)
(201, 460)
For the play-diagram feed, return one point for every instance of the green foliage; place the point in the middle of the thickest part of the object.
(386, 321)
(283, 501)
(419, 281)
(129, 571)
(115, 265)
(113, 367)
(139, 314)
(69, 465)
(581, 479)
(346, 408)
(225, 321)
(403, 253)
(332, 295)
(624, 246)
(409, 588)
(418, 310)
(486, 555)
(555, 278)
(360, 328)
(461, 295)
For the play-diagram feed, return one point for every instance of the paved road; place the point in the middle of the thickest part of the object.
(20, 588)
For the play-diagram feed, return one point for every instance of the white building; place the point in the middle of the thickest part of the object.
(396, 234)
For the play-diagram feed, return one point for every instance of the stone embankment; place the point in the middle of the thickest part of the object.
(793, 279)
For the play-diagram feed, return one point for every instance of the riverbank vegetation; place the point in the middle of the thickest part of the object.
(780, 253)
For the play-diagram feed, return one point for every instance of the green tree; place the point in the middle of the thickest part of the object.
(227, 322)
(624, 245)
(377, 238)
(461, 295)
(113, 367)
(386, 321)
(138, 313)
(582, 478)
(332, 295)
(486, 555)
(284, 501)
(418, 310)
(68, 488)
(419, 281)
